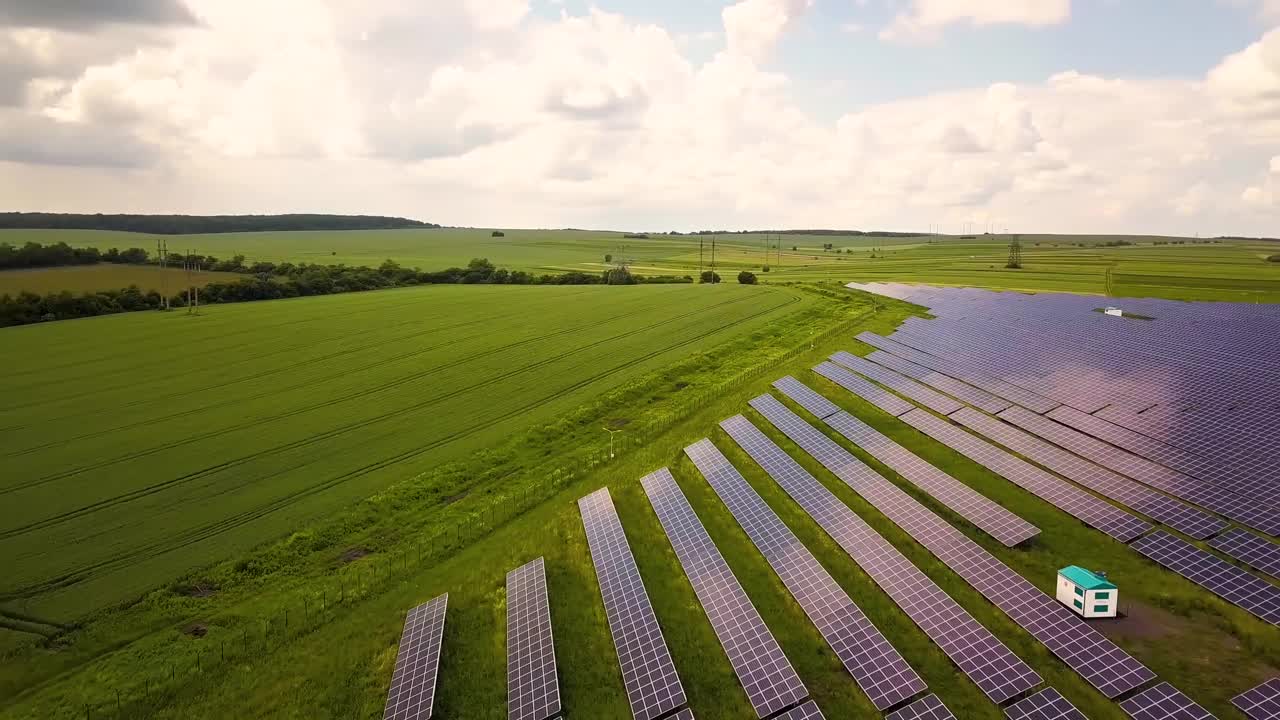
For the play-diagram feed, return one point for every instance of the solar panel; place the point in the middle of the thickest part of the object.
(1175, 514)
(1164, 702)
(1067, 497)
(1261, 702)
(766, 675)
(979, 654)
(980, 399)
(811, 401)
(653, 688)
(864, 389)
(992, 519)
(533, 691)
(1213, 574)
(413, 686)
(1048, 704)
(928, 707)
(685, 714)
(1250, 549)
(927, 397)
(807, 711)
(873, 662)
(1099, 661)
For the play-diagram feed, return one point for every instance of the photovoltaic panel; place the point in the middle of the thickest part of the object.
(873, 662)
(1048, 704)
(864, 389)
(533, 688)
(653, 688)
(1164, 702)
(766, 675)
(928, 707)
(413, 686)
(1099, 661)
(983, 658)
(807, 711)
(991, 518)
(1250, 549)
(1175, 514)
(815, 404)
(1213, 574)
(685, 714)
(976, 397)
(927, 397)
(1261, 702)
(1067, 497)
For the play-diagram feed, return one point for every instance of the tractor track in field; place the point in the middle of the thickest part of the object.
(256, 376)
(212, 351)
(359, 393)
(210, 530)
(133, 495)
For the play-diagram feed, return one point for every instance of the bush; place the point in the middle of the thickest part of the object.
(709, 277)
(608, 258)
(764, 269)
(498, 233)
(746, 277)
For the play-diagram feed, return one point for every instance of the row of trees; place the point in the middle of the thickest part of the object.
(271, 281)
(186, 224)
(34, 255)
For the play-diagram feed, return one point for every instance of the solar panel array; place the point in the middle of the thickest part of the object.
(928, 707)
(1213, 574)
(976, 397)
(533, 688)
(961, 499)
(413, 685)
(1163, 702)
(1079, 504)
(1099, 661)
(807, 711)
(873, 662)
(1175, 514)
(979, 654)
(864, 389)
(766, 675)
(685, 714)
(1048, 704)
(1249, 549)
(905, 386)
(653, 688)
(1261, 702)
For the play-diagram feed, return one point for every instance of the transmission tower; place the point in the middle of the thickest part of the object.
(1015, 253)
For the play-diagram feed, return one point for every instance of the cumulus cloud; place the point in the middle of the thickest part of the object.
(753, 27)
(1249, 81)
(36, 140)
(925, 18)
(80, 15)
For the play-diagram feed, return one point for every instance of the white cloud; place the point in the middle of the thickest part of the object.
(753, 27)
(1249, 81)
(925, 18)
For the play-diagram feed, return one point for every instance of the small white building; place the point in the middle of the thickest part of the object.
(1114, 311)
(1090, 594)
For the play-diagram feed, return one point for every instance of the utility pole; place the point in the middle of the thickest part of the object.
(713, 258)
(1015, 253)
(701, 240)
(611, 434)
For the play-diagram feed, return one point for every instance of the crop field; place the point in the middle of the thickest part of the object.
(105, 276)
(137, 447)
(1194, 270)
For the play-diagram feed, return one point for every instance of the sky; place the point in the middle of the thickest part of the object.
(1097, 116)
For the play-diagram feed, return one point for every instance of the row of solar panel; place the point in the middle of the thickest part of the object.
(1233, 584)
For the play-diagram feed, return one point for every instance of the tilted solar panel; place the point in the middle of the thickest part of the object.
(1249, 549)
(766, 675)
(1213, 574)
(1164, 702)
(976, 397)
(928, 707)
(980, 655)
(1048, 704)
(862, 388)
(653, 688)
(413, 685)
(926, 396)
(811, 401)
(1261, 702)
(533, 688)
(685, 714)
(873, 662)
(807, 711)
(1099, 661)
(1088, 509)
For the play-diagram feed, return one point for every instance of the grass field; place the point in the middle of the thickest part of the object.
(139, 447)
(105, 276)
(1229, 270)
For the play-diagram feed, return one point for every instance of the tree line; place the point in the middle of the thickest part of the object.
(189, 224)
(272, 281)
(35, 255)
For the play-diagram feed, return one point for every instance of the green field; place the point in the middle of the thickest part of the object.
(1228, 270)
(105, 276)
(142, 446)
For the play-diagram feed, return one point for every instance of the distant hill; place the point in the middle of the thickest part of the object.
(191, 224)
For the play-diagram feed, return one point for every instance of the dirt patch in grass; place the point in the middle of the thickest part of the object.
(198, 589)
(1141, 622)
(351, 555)
(196, 630)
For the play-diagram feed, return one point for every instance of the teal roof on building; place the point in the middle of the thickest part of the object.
(1085, 578)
